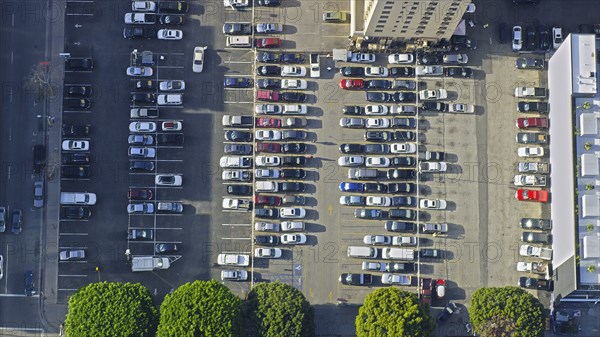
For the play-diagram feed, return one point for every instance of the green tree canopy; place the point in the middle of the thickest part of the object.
(497, 311)
(202, 308)
(111, 309)
(393, 312)
(279, 310)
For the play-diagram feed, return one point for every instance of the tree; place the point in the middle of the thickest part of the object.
(111, 309)
(277, 309)
(507, 309)
(393, 312)
(202, 308)
(39, 80)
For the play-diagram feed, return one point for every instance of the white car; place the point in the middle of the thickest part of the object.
(292, 226)
(143, 6)
(169, 34)
(433, 166)
(235, 3)
(526, 151)
(297, 71)
(377, 239)
(233, 260)
(140, 18)
(436, 94)
(266, 173)
(268, 253)
(376, 110)
(198, 62)
(168, 179)
(144, 152)
(292, 212)
(171, 126)
(517, 42)
(294, 84)
(376, 72)
(404, 241)
(403, 109)
(72, 254)
(234, 275)
(362, 58)
(268, 109)
(140, 71)
(236, 175)
(142, 127)
(140, 208)
(377, 123)
(403, 148)
(401, 58)
(267, 135)
(461, 107)
(557, 37)
(267, 161)
(388, 278)
(169, 99)
(293, 239)
(269, 28)
(172, 85)
(432, 204)
(351, 161)
(373, 200)
(294, 109)
(75, 145)
(1, 267)
(266, 227)
(377, 162)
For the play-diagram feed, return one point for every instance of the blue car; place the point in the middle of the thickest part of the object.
(237, 82)
(351, 187)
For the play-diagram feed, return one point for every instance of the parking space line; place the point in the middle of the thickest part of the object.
(239, 89)
(235, 211)
(18, 295)
(170, 67)
(169, 228)
(236, 238)
(170, 160)
(72, 275)
(76, 179)
(234, 102)
(78, 14)
(239, 75)
(78, 71)
(169, 147)
(142, 174)
(163, 214)
(236, 62)
(230, 252)
(82, 234)
(76, 111)
(66, 289)
(236, 224)
(72, 262)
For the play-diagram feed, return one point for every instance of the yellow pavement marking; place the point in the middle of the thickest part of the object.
(310, 293)
(330, 210)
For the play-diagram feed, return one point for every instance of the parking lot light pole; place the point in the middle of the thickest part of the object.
(98, 272)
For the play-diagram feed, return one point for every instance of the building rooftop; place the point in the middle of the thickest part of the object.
(584, 64)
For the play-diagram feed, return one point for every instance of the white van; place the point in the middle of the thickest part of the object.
(267, 186)
(362, 252)
(315, 67)
(239, 41)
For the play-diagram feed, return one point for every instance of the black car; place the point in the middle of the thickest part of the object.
(165, 248)
(173, 6)
(267, 213)
(356, 279)
(374, 188)
(352, 71)
(239, 190)
(585, 29)
(292, 174)
(236, 28)
(77, 103)
(458, 72)
(171, 20)
(139, 32)
(17, 221)
(264, 83)
(540, 107)
(267, 57)
(39, 157)
(430, 253)
(294, 97)
(429, 59)
(238, 136)
(545, 40)
(504, 33)
(79, 64)
(79, 90)
(145, 166)
(401, 122)
(462, 42)
(266, 240)
(404, 136)
(536, 284)
(405, 214)
(292, 58)
(434, 106)
(401, 174)
(352, 148)
(29, 283)
(293, 161)
(403, 161)
(237, 82)
(75, 172)
(379, 97)
(404, 201)
(401, 71)
(404, 97)
(378, 84)
(143, 98)
(400, 226)
(378, 136)
(76, 130)
(237, 149)
(140, 234)
(354, 110)
(530, 38)
(293, 148)
(268, 70)
(76, 158)
(394, 188)
(76, 212)
(434, 155)
(169, 139)
(145, 85)
(376, 149)
(449, 309)
(269, 3)
(292, 187)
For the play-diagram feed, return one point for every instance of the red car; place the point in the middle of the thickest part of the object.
(140, 194)
(268, 147)
(268, 42)
(267, 122)
(533, 122)
(267, 200)
(352, 83)
(532, 195)
(267, 95)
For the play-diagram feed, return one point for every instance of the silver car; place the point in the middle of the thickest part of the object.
(72, 254)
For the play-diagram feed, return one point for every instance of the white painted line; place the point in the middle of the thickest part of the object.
(72, 261)
(236, 211)
(168, 147)
(82, 234)
(228, 252)
(66, 289)
(239, 89)
(12, 57)
(6, 269)
(170, 160)
(240, 49)
(236, 224)
(74, 275)
(13, 19)
(237, 62)
(79, 14)
(163, 214)
(234, 102)
(18, 295)
(21, 329)
(170, 67)
(11, 94)
(74, 220)
(235, 238)
(77, 111)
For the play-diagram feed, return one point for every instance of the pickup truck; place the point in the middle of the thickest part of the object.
(143, 113)
(533, 251)
(436, 94)
(403, 280)
(234, 161)
(77, 198)
(534, 267)
(527, 167)
(356, 279)
(267, 95)
(429, 71)
(238, 121)
(236, 204)
(530, 180)
(530, 92)
(169, 207)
